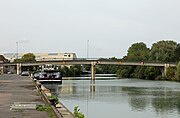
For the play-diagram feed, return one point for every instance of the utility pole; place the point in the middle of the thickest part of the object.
(87, 49)
(17, 50)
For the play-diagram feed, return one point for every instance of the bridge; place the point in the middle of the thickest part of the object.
(91, 62)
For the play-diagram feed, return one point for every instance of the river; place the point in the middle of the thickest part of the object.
(121, 98)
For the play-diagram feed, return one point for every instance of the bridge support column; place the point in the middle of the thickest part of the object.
(18, 68)
(93, 71)
(2, 70)
(166, 66)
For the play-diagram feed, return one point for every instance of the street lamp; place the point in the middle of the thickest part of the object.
(17, 50)
(87, 49)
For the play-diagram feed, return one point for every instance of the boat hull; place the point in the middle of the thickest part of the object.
(50, 80)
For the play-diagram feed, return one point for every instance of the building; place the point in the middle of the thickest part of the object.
(42, 56)
(2, 60)
(54, 56)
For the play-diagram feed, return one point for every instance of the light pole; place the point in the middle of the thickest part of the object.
(17, 50)
(87, 49)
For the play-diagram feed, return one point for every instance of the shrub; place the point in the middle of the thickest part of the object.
(77, 112)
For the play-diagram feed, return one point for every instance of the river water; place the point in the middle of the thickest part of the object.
(121, 98)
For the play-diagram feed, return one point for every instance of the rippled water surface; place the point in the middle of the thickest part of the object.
(125, 98)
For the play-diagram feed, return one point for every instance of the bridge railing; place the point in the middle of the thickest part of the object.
(89, 60)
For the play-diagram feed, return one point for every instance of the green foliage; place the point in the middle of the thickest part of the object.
(38, 93)
(17, 60)
(106, 69)
(125, 71)
(71, 71)
(138, 52)
(152, 72)
(140, 72)
(54, 97)
(163, 51)
(87, 67)
(177, 75)
(46, 108)
(29, 57)
(77, 112)
(177, 52)
(170, 73)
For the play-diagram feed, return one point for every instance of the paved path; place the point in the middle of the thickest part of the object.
(15, 88)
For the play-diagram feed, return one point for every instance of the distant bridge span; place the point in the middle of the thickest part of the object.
(88, 62)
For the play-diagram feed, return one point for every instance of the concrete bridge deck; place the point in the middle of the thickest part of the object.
(93, 63)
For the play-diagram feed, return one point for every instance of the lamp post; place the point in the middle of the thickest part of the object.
(17, 50)
(87, 49)
(18, 67)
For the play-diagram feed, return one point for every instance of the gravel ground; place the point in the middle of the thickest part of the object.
(15, 88)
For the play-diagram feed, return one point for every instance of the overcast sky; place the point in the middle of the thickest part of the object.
(111, 26)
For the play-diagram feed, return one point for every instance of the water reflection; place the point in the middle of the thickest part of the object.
(135, 98)
(54, 88)
(92, 88)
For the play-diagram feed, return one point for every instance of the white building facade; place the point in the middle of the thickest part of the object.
(42, 56)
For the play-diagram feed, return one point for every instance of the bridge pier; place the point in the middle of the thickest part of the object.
(166, 66)
(18, 68)
(93, 71)
(2, 70)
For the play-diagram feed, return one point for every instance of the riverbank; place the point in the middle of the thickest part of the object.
(60, 111)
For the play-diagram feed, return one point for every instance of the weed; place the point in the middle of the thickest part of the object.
(77, 112)
(46, 108)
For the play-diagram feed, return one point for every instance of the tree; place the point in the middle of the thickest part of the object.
(125, 71)
(177, 75)
(177, 52)
(139, 72)
(71, 71)
(137, 52)
(170, 74)
(29, 57)
(163, 51)
(107, 69)
(65, 71)
(152, 72)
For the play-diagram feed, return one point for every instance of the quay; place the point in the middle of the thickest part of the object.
(18, 94)
(18, 89)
